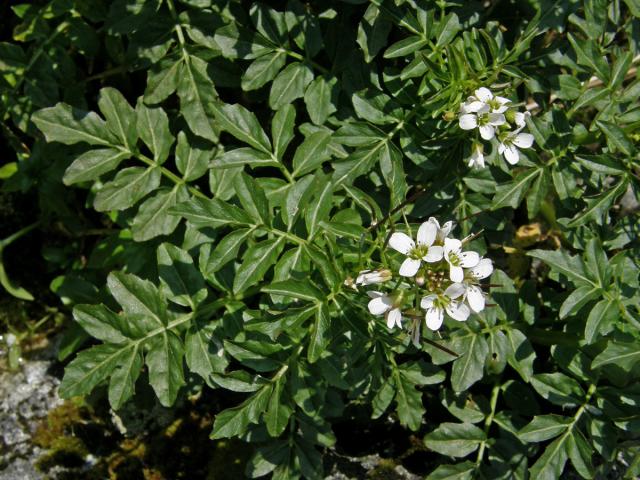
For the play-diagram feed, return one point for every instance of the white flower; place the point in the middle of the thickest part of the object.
(484, 120)
(381, 304)
(473, 294)
(369, 277)
(437, 305)
(425, 250)
(510, 142)
(457, 259)
(482, 97)
(443, 231)
(520, 119)
(477, 156)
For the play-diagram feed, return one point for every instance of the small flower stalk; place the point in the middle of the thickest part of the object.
(439, 278)
(495, 121)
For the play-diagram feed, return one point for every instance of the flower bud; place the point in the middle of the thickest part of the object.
(448, 116)
(369, 277)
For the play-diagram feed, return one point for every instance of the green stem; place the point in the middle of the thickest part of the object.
(20, 233)
(487, 423)
(297, 56)
(167, 173)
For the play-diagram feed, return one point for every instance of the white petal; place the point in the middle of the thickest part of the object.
(521, 118)
(427, 302)
(475, 298)
(484, 94)
(496, 119)
(454, 290)
(451, 245)
(511, 154)
(401, 242)
(469, 259)
(427, 233)
(374, 294)
(394, 317)
(434, 318)
(458, 311)
(473, 107)
(434, 220)
(468, 121)
(502, 100)
(456, 274)
(483, 269)
(445, 230)
(434, 254)
(409, 267)
(523, 140)
(501, 148)
(379, 305)
(487, 131)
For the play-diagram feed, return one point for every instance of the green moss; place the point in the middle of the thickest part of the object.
(64, 451)
(385, 470)
(59, 423)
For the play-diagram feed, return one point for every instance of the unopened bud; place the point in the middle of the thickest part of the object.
(449, 116)
(369, 277)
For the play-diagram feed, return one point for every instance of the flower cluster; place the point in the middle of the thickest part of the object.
(437, 277)
(494, 118)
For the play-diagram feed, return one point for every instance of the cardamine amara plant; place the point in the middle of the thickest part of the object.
(426, 210)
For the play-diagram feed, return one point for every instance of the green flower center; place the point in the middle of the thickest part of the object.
(454, 260)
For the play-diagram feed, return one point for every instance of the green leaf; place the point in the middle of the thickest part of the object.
(120, 116)
(393, 172)
(242, 124)
(408, 402)
(544, 427)
(382, 399)
(234, 421)
(138, 297)
(459, 471)
(624, 355)
(245, 156)
(153, 218)
(303, 290)
(599, 206)
(571, 266)
(282, 129)
(551, 463)
(127, 188)
(311, 153)
(192, 157)
(93, 163)
(558, 388)
(226, 250)
(123, 380)
(197, 93)
(203, 351)
(182, 281)
(578, 299)
(468, 368)
(360, 162)
(263, 70)
(580, 453)
(278, 412)
(100, 322)
(65, 124)
(298, 196)
(455, 439)
(373, 32)
(153, 128)
(447, 29)
(522, 355)
(257, 260)
(252, 198)
(588, 54)
(162, 80)
(601, 319)
(320, 208)
(214, 213)
(405, 47)
(512, 193)
(289, 85)
(164, 360)
(91, 367)
(237, 42)
(321, 98)
(319, 333)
